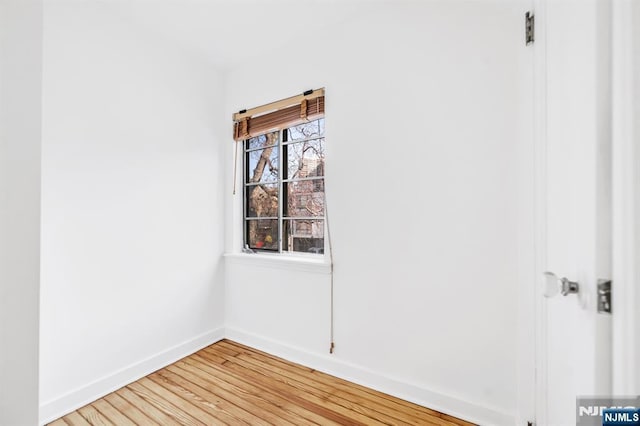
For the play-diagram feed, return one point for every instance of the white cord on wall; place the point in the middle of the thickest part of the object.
(326, 216)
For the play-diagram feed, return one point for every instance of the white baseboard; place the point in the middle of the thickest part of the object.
(56, 408)
(410, 392)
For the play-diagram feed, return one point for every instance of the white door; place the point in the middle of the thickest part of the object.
(574, 353)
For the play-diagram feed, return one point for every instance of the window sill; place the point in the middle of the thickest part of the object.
(279, 261)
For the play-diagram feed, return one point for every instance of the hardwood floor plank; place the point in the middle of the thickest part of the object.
(343, 386)
(371, 410)
(317, 409)
(231, 384)
(455, 420)
(227, 349)
(126, 408)
(181, 398)
(93, 416)
(75, 419)
(212, 373)
(154, 413)
(348, 399)
(356, 410)
(213, 404)
(257, 410)
(113, 415)
(237, 409)
(293, 388)
(172, 406)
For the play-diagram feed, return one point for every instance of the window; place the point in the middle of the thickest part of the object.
(283, 174)
(284, 202)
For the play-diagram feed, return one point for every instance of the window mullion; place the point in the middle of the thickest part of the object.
(280, 191)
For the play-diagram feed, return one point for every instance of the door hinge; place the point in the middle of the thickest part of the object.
(529, 28)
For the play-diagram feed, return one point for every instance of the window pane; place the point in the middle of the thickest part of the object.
(311, 129)
(262, 165)
(305, 198)
(262, 234)
(305, 159)
(262, 141)
(262, 200)
(305, 236)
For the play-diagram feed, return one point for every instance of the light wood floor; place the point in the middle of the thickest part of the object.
(228, 383)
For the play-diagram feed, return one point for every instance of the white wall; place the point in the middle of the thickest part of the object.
(132, 212)
(422, 141)
(20, 94)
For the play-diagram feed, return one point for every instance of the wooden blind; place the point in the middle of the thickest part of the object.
(279, 115)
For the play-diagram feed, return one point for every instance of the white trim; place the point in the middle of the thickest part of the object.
(540, 207)
(527, 238)
(315, 264)
(58, 407)
(453, 405)
(626, 210)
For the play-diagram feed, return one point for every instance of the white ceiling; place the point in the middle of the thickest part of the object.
(230, 32)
